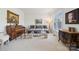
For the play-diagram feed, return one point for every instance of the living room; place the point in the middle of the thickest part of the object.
(37, 29)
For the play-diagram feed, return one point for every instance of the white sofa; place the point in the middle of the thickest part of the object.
(3, 38)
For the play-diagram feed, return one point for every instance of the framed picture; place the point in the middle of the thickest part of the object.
(38, 21)
(72, 17)
(12, 17)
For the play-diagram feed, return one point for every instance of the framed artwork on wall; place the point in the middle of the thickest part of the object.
(72, 17)
(12, 17)
(38, 21)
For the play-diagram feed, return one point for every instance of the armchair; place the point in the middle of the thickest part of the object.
(4, 38)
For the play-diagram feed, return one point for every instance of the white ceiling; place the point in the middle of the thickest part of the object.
(37, 11)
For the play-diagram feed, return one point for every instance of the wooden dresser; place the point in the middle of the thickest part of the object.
(71, 38)
(15, 31)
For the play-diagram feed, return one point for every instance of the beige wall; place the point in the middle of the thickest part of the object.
(30, 19)
(64, 10)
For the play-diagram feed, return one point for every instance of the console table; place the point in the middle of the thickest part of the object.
(71, 38)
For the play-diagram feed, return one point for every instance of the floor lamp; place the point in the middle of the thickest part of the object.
(49, 25)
